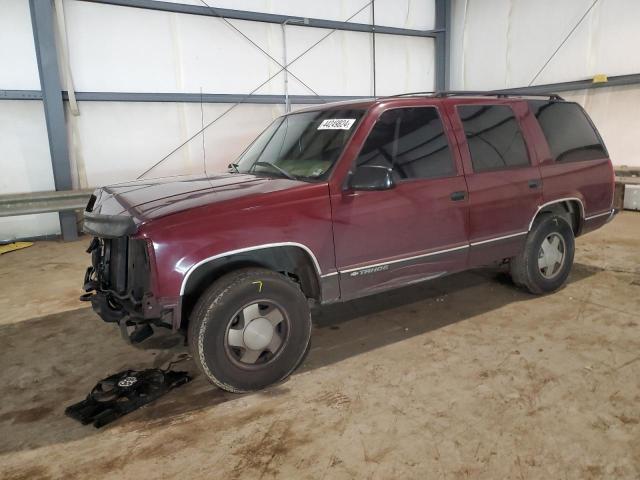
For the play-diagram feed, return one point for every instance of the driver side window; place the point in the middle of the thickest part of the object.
(410, 141)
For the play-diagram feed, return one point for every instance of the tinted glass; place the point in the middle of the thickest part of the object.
(494, 137)
(569, 132)
(302, 145)
(411, 141)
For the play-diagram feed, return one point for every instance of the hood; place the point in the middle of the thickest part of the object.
(147, 199)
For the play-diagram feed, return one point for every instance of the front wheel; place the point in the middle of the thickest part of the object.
(250, 329)
(545, 263)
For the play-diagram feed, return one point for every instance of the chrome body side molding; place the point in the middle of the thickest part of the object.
(194, 267)
(559, 200)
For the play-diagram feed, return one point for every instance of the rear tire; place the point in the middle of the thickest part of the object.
(545, 263)
(249, 330)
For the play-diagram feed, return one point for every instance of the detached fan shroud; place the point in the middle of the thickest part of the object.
(116, 386)
(124, 392)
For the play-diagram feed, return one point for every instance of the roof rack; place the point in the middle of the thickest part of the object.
(480, 93)
(409, 94)
(496, 93)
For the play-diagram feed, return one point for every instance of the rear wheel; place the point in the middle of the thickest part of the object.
(545, 263)
(250, 329)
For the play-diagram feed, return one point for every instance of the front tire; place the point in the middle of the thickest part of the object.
(545, 263)
(249, 330)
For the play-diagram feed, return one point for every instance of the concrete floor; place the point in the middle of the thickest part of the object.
(463, 377)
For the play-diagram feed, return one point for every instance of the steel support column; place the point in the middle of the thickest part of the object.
(42, 20)
(442, 60)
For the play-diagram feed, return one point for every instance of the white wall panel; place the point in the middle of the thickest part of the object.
(331, 10)
(503, 43)
(18, 65)
(228, 137)
(415, 14)
(615, 48)
(126, 49)
(342, 63)
(483, 50)
(120, 49)
(25, 164)
(615, 113)
(339, 65)
(404, 64)
(214, 56)
(24, 159)
(28, 226)
(117, 141)
(533, 35)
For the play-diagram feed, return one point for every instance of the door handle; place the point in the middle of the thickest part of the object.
(535, 183)
(457, 196)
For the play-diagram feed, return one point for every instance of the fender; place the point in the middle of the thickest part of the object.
(194, 267)
(559, 200)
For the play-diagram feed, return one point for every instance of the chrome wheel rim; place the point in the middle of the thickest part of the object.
(551, 255)
(256, 334)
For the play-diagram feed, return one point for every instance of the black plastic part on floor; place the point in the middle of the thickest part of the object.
(122, 393)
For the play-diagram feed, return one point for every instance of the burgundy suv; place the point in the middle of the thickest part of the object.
(339, 201)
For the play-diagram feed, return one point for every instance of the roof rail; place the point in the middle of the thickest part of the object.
(496, 93)
(409, 94)
(479, 93)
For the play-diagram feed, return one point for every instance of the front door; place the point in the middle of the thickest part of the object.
(415, 230)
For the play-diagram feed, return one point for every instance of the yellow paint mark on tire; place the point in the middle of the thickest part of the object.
(259, 283)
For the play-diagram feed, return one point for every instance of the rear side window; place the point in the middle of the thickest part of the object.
(570, 134)
(411, 141)
(494, 137)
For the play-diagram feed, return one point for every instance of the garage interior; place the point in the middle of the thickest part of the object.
(464, 376)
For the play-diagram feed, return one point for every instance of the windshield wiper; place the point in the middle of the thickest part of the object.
(275, 167)
(234, 167)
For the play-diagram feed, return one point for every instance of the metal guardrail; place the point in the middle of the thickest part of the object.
(43, 202)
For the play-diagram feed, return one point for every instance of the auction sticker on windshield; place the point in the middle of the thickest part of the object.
(337, 124)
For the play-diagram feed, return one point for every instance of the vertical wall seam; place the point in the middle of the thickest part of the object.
(507, 50)
(181, 109)
(464, 45)
(593, 33)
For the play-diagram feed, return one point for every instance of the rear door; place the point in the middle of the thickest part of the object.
(502, 175)
(414, 231)
(574, 162)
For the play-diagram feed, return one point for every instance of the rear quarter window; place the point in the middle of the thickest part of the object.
(569, 132)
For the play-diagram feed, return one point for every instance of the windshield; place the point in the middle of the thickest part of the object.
(300, 145)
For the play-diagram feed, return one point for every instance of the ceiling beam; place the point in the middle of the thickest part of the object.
(297, 21)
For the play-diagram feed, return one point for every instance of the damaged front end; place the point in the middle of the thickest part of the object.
(118, 282)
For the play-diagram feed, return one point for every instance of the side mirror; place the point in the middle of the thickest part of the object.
(371, 177)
